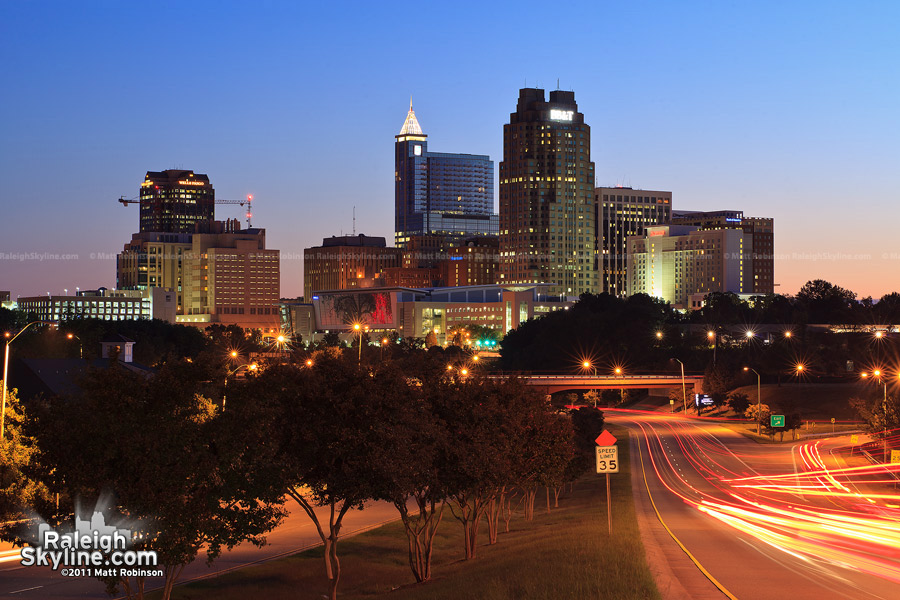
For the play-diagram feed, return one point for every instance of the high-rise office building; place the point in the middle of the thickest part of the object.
(623, 212)
(173, 201)
(761, 232)
(438, 193)
(547, 215)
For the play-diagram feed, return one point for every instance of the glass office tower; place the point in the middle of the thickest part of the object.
(437, 193)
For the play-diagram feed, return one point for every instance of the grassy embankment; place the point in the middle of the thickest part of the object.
(564, 554)
(817, 404)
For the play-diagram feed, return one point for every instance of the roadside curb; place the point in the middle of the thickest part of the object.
(653, 536)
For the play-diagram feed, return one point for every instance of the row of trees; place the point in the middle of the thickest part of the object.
(189, 474)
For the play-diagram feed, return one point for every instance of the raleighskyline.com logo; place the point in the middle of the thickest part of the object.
(91, 549)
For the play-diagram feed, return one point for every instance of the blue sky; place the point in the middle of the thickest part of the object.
(786, 110)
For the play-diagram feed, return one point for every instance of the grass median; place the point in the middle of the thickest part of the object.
(566, 553)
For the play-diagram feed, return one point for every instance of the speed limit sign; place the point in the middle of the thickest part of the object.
(607, 459)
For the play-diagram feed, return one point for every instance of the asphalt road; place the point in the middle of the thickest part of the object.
(765, 522)
(296, 533)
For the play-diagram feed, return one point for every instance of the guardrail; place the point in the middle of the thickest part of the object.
(604, 377)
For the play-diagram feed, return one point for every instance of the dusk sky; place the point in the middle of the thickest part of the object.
(782, 109)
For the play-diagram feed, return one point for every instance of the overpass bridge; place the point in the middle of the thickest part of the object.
(561, 383)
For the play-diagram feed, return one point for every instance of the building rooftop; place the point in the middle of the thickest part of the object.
(411, 124)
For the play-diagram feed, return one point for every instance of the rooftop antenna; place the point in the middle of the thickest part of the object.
(557, 83)
(354, 208)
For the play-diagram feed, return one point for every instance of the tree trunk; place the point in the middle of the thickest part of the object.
(556, 492)
(494, 510)
(508, 511)
(329, 540)
(548, 499)
(420, 532)
(529, 503)
(471, 509)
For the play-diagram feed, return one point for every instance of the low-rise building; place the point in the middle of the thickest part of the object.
(416, 312)
(104, 304)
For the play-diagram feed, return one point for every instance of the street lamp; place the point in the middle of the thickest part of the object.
(357, 327)
(9, 340)
(683, 388)
(248, 366)
(587, 366)
(384, 342)
(714, 340)
(309, 362)
(883, 381)
(758, 397)
(80, 344)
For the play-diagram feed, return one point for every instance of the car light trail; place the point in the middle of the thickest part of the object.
(818, 514)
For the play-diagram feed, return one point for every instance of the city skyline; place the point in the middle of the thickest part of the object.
(299, 106)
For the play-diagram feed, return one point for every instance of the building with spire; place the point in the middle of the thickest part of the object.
(548, 228)
(448, 195)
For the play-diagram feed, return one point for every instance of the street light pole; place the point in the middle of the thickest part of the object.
(683, 389)
(6, 373)
(249, 366)
(884, 409)
(758, 397)
(80, 344)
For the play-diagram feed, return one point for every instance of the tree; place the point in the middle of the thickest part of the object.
(739, 402)
(879, 415)
(181, 473)
(409, 467)
(825, 302)
(431, 339)
(327, 438)
(19, 490)
(759, 413)
(587, 424)
(592, 397)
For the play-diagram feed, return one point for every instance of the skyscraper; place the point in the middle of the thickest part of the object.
(438, 193)
(547, 215)
(172, 201)
(624, 212)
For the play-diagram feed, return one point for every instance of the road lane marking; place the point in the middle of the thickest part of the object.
(708, 575)
(37, 587)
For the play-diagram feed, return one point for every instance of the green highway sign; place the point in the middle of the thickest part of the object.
(776, 420)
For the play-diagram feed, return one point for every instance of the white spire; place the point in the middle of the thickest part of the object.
(411, 124)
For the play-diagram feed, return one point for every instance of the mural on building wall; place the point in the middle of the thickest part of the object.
(368, 308)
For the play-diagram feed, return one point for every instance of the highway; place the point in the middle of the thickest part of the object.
(732, 518)
(296, 533)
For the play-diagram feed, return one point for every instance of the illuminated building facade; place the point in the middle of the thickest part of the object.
(420, 311)
(173, 201)
(222, 275)
(231, 277)
(346, 262)
(103, 304)
(760, 229)
(474, 263)
(674, 262)
(547, 215)
(624, 212)
(438, 193)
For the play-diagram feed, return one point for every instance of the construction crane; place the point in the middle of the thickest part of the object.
(126, 201)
